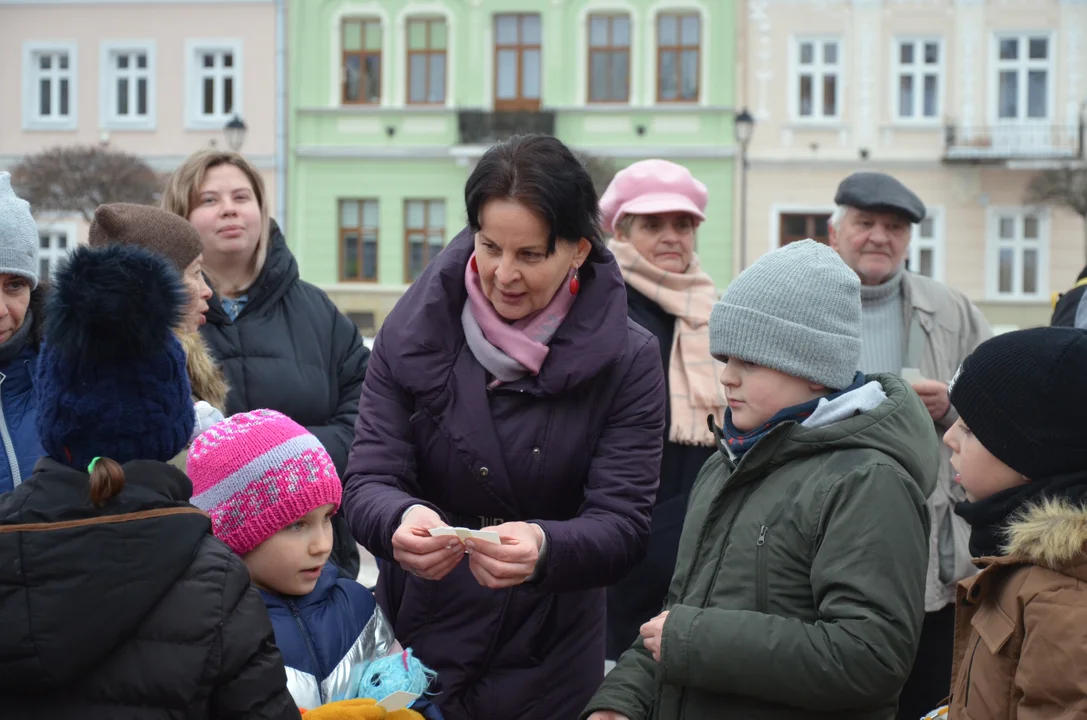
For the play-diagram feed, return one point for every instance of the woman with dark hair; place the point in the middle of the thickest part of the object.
(508, 391)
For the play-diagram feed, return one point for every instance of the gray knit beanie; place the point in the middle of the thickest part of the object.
(796, 310)
(18, 234)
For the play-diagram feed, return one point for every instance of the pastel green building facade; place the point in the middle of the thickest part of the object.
(392, 102)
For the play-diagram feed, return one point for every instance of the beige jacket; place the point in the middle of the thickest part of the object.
(943, 327)
(1021, 626)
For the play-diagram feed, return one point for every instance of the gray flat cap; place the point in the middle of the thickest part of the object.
(879, 191)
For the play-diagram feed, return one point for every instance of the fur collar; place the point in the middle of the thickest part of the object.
(205, 376)
(1052, 534)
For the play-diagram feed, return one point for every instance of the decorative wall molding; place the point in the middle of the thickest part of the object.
(581, 69)
(969, 45)
(400, 47)
(1072, 48)
(649, 50)
(356, 9)
(763, 49)
(867, 28)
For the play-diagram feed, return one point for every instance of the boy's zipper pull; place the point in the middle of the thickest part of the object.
(762, 536)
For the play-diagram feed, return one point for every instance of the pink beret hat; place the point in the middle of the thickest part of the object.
(649, 187)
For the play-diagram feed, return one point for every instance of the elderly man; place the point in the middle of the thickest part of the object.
(923, 330)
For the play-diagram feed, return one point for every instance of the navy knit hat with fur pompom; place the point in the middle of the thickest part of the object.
(111, 378)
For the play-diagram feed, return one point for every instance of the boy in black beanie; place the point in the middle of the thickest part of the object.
(1020, 450)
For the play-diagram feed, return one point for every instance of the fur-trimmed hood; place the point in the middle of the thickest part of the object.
(1052, 534)
(1019, 622)
(205, 376)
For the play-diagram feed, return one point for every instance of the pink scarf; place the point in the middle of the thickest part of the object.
(509, 351)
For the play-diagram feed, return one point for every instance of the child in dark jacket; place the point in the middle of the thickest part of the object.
(1020, 452)
(118, 602)
(271, 490)
(800, 581)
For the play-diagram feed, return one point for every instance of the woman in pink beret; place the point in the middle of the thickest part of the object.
(653, 208)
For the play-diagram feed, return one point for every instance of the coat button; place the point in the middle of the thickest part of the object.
(484, 472)
(535, 452)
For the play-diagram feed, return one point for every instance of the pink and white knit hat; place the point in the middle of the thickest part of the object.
(255, 473)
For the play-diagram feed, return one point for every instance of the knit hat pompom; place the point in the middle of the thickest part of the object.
(255, 473)
(114, 304)
(1022, 396)
(111, 378)
(796, 310)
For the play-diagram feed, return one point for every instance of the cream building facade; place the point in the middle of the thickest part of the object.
(962, 100)
(158, 78)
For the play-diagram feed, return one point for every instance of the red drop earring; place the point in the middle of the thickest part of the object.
(472, 262)
(575, 284)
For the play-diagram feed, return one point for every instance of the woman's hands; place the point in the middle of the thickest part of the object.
(421, 554)
(511, 563)
(494, 565)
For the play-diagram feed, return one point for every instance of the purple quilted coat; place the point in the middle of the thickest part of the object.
(576, 449)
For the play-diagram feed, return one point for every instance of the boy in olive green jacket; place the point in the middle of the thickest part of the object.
(799, 587)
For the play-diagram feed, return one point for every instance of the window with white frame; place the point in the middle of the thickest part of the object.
(1023, 77)
(1018, 249)
(918, 79)
(215, 82)
(128, 93)
(817, 78)
(55, 242)
(927, 246)
(49, 80)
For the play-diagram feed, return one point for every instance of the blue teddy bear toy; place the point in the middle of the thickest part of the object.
(383, 676)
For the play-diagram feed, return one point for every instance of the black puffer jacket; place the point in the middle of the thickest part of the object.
(128, 611)
(1067, 311)
(290, 349)
(639, 596)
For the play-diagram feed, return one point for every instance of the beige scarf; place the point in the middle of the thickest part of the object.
(694, 377)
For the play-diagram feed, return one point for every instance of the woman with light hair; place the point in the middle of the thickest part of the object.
(281, 342)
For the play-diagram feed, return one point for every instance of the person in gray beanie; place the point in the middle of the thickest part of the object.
(21, 300)
(800, 583)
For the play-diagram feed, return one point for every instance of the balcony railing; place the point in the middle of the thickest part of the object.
(478, 127)
(1013, 142)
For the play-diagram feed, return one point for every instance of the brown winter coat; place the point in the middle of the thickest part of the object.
(1021, 634)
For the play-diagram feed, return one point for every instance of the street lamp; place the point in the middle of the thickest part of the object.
(743, 126)
(235, 133)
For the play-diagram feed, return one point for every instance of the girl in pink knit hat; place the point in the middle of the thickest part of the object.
(271, 490)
